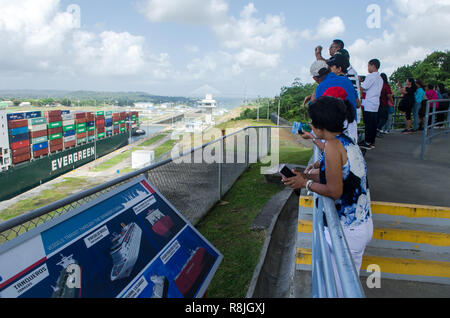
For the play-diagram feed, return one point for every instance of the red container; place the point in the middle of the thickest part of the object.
(53, 118)
(38, 134)
(80, 120)
(20, 151)
(100, 122)
(80, 136)
(56, 148)
(17, 123)
(21, 158)
(56, 142)
(91, 133)
(53, 113)
(52, 131)
(80, 115)
(101, 130)
(70, 144)
(40, 153)
(20, 144)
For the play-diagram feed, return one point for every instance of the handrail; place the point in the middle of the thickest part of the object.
(17, 221)
(324, 285)
(428, 131)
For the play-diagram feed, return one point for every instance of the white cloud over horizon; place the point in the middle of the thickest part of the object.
(42, 40)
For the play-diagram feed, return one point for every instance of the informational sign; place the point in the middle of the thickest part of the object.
(128, 243)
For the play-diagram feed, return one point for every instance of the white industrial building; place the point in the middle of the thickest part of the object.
(5, 152)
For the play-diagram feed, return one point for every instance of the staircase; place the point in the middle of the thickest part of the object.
(410, 246)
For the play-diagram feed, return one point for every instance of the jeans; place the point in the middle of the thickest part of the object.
(416, 115)
(383, 114)
(388, 125)
(371, 121)
(357, 238)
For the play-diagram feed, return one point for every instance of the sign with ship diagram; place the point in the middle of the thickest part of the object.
(128, 243)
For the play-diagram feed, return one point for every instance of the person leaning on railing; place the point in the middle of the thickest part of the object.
(341, 174)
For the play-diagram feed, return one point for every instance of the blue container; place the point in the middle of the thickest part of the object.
(69, 133)
(90, 124)
(65, 112)
(31, 115)
(15, 116)
(109, 133)
(18, 138)
(40, 146)
(18, 131)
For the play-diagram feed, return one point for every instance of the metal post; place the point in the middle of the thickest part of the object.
(247, 148)
(433, 122)
(279, 106)
(220, 167)
(425, 131)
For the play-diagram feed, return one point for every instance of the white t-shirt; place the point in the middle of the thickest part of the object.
(373, 86)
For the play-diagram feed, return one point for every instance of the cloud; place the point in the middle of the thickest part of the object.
(38, 37)
(197, 12)
(417, 28)
(326, 29)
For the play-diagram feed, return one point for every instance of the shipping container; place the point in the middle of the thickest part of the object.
(56, 148)
(17, 123)
(81, 136)
(40, 146)
(57, 124)
(17, 138)
(53, 131)
(56, 142)
(20, 151)
(40, 140)
(69, 128)
(30, 115)
(68, 122)
(68, 117)
(65, 112)
(37, 121)
(18, 131)
(51, 113)
(38, 127)
(54, 119)
(70, 144)
(20, 144)
(81, 130)
(38, 134)
(21, 158)
(69, 133)
(70, 138)
(40, 153)
(15, 116)
(55, 136)
(81, 141)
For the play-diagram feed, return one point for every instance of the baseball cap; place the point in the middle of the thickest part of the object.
(317, 67)
(336, 91)
(340, 61)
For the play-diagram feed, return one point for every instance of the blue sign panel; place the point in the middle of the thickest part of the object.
(129, 243)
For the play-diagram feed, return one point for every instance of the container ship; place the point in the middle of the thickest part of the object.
(36, 147)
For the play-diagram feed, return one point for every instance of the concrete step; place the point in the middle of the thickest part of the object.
(410, 242)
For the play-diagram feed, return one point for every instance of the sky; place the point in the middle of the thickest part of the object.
(231, 48)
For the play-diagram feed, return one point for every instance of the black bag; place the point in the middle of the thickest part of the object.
(404, 105)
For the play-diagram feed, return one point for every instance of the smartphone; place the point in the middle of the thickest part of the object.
(286, 172)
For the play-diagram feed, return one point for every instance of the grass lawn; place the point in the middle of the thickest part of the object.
(59, 191)
(227, 226)
(112, 162)
(153, 140)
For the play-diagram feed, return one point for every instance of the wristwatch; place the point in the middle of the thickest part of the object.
(309, 184)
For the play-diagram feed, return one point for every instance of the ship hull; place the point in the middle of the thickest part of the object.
(24, 177)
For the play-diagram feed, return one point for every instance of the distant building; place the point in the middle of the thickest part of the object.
(208, 105)
(25, 104)
(6, 103)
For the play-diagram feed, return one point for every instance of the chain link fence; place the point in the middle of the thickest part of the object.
(193, 181)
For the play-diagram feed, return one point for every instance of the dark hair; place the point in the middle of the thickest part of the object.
(339, 42)
(413, 84)
(420, 83)
(323, 72)
(376, 63)
(430, 86)
(330, 113)
(385, 78)
(442, 89)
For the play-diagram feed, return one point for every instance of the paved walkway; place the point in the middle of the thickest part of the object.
(397, 174)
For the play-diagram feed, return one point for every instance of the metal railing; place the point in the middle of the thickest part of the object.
(191, 183)
(430, 125)
(323, 277)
